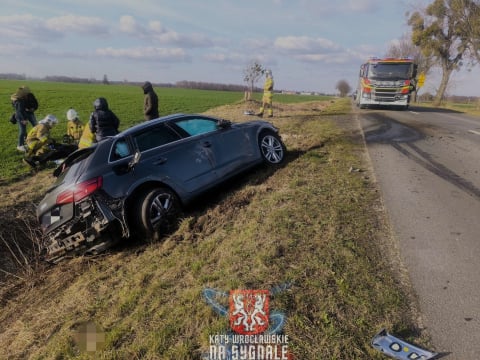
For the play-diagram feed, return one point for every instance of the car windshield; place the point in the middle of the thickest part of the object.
(389, 71)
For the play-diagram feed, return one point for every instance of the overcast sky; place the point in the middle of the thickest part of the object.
(309, 44)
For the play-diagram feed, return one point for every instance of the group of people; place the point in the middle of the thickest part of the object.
(39, 146)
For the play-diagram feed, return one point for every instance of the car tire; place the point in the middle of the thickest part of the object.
(155, 213)
(272, 148)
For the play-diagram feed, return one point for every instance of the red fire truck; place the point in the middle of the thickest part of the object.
(386, 82)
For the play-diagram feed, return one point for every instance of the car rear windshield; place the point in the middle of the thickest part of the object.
(72, 163)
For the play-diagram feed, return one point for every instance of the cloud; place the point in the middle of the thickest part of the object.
(230, 58)
(77, 24)
(29, 27)
(22, 27)
(258, 44)
(315, 50)
(129, 25)
(156, 26)
(339, 58)
(189, 40)
(145, 53)
(157, 33)
(304, 45)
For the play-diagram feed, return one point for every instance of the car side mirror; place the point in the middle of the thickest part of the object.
(135, 160)
(125, 168)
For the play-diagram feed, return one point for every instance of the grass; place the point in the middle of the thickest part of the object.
(470, 108)
(311, 224)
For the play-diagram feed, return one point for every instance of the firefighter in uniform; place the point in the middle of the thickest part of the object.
(39, 143)
(267, 94)
(74, 127)
(87, 139)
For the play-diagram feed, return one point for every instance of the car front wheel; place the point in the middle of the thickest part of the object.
(271, 147)
(155, 213)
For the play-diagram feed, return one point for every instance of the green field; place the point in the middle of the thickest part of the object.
(126, 101)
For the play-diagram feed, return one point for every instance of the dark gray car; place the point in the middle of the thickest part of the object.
(137, 182)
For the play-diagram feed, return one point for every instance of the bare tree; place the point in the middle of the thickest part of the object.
(252, 73)
(343, 88)
(405, 48)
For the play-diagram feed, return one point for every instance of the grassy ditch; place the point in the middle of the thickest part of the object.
(313, 224)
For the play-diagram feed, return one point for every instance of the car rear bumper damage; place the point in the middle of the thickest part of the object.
(95, 227)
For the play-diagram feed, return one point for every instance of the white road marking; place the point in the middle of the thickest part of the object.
(414, 112)
(474, 132)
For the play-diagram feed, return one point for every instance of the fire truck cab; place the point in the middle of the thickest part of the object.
(386, 82)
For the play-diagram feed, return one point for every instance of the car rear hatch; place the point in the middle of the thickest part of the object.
(57, 206)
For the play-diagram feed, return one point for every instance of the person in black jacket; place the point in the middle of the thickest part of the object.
(103, 122)
(150, 102)
(25, 105)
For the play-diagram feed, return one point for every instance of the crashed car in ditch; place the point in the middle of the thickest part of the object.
(138, 181)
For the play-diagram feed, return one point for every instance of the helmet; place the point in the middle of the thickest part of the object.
(100, 104)
(49, 120)
(268, 73)
(72, 114)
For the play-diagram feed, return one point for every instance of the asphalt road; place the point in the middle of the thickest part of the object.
(427, 163)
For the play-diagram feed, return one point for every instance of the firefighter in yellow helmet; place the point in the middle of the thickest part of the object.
(41, 147)
(39, 143)
(74, 127)
(267, 94)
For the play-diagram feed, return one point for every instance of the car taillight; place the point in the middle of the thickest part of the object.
(79, 191)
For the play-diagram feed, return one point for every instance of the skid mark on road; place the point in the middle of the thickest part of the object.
(403, 138)
(425, 160)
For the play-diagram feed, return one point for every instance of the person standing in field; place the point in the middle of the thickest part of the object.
(267, 94)
(150, 102)
(74, 126)
(103, 122)
(25, 105)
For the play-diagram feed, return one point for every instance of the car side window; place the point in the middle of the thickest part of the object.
(155, 137)
(197, 126)
(120, 150)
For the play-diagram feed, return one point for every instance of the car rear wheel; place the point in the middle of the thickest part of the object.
(271, 147)
(154, 213)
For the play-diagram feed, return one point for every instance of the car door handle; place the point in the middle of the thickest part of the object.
(207, 144)
(160, 161)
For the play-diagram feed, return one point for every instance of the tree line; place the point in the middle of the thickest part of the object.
(179, 84)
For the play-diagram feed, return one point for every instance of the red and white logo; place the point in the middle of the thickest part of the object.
(249, 311)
